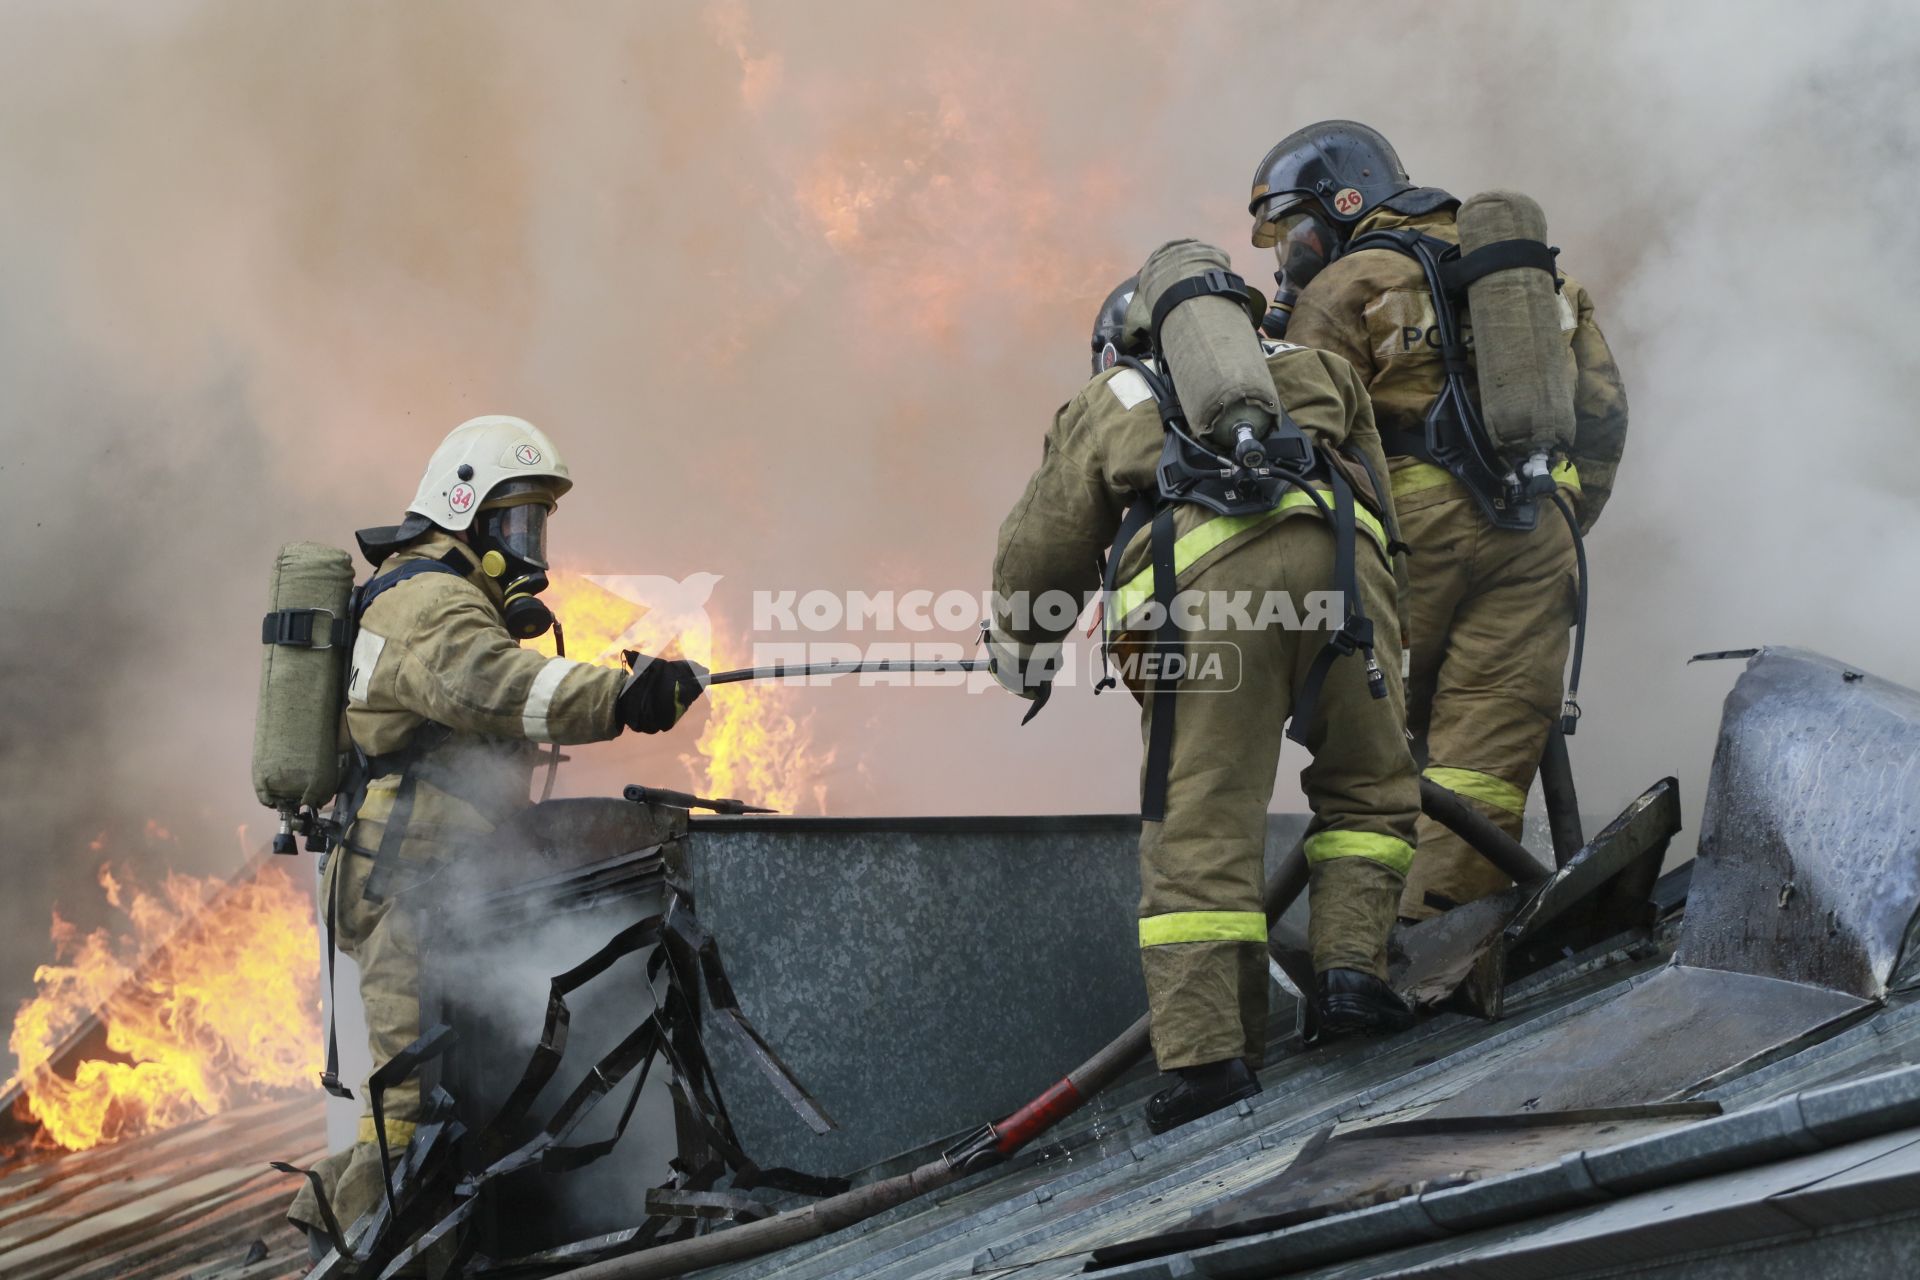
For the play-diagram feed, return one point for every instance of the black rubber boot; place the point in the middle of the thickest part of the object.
(1352, 1003)
(1200, 1091)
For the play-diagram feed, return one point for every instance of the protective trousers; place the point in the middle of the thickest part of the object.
(1488, 611)
(1203, 934)
(382, 938)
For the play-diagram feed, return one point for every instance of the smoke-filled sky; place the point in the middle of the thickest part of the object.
(797, 288)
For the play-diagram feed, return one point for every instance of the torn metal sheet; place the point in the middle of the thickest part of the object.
(1457, 960)
(1462, 959)
(1809, 864)
(1607, 886)
(1677, 1031)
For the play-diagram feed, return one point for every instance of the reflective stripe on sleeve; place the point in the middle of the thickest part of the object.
(1203, 926)
(1199, 541)
(533, 718)
(1483, 787)
(1567, 476)
(1390, 852)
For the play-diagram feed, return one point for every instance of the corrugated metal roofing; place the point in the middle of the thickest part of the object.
(196, 1202)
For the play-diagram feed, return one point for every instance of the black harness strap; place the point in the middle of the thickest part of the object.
(1355, 633)
(1501, 255)
(392, 833)
(1455, 436)
(1397, 443)
(454, 562)
(1153, 799)
(330, 1078)
(1392, 526)
(406, 761)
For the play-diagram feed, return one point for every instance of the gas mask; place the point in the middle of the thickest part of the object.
(511, 535)
(1304, 242)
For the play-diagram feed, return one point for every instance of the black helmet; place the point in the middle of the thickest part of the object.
(1109, 324)
(1346, 168)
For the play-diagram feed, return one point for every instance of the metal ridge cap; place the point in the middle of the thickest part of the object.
(1800, 1123)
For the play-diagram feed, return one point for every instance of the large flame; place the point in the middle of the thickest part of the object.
(210, 998)
(753, 747)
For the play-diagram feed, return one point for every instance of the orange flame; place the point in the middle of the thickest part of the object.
(210, 1000)
(753, 747)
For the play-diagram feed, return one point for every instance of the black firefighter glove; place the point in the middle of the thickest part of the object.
(659, 692)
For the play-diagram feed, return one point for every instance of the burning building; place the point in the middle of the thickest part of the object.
(803, 283)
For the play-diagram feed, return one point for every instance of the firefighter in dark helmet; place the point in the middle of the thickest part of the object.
(1488, 608)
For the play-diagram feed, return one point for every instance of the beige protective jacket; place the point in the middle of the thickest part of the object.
(435, 648)
(1104, 447)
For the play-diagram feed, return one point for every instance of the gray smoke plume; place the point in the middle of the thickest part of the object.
(797, 289)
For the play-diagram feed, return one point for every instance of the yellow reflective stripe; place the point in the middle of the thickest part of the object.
(1389, 851)
(1199, 541)
(1418, 476)
(1483, 787)
(1203, 926)
(1567, 476)
(399, 1132)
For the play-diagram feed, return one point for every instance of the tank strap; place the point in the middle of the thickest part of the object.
(301, 629)
(1501, 255)
(1212, 283)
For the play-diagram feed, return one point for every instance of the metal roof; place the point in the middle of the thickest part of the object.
(196, 1202)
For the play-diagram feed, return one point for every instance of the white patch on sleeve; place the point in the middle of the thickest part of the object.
(1568, 320)
(367, 648)
(1129, 388)
(533, 719)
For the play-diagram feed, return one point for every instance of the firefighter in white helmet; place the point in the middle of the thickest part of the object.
(445, 710)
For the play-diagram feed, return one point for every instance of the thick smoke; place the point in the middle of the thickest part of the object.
(797, 289)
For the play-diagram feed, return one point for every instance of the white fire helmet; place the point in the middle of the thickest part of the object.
(478, 456)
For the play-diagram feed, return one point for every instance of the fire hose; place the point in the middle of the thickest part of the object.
(994, 1143)
(856, 666)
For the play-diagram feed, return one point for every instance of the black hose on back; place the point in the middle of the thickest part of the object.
(1570, 709)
